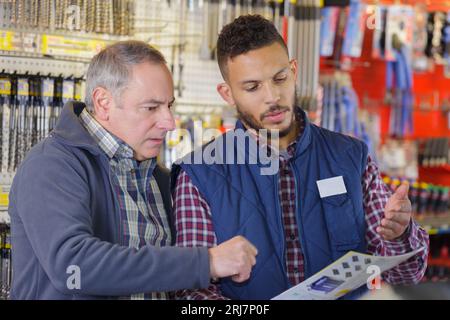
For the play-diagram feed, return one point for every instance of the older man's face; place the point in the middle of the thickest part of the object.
(142, 117)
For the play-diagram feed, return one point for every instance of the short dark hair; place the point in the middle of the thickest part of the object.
(245, 33)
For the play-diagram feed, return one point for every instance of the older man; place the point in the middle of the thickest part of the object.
(89, 205)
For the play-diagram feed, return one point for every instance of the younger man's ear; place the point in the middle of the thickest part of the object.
(225, 92)
(294, 67)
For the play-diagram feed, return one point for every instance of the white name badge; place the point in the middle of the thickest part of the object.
(331, 186)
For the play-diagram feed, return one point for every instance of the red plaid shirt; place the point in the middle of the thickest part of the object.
(194, 227)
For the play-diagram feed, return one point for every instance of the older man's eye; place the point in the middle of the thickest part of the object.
(252, 88)
(149, 108)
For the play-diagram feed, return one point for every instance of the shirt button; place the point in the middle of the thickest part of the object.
(132, 171)
(295, 270)
(292, 236)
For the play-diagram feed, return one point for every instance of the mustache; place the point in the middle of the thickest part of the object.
(275, 108)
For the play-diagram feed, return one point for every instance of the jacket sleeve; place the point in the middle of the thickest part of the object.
(52, 199)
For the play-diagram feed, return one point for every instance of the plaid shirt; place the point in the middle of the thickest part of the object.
(142, 215)
(194, 227)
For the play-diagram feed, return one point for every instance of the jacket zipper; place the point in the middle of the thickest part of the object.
(116, 205)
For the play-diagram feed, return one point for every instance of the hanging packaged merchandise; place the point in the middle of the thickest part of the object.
(413, 195)
(340, 34)
(255, 7)
(206, 47)
(399, 83)
(276, 15)
(308, 45)
(399, 24)
(36, 110)
(433, 199)
(446, 40)
(9, 125)
(435, 152)
(301, 40)
(105, 16)
(291, 40)
(443, 152)
(340, 114)
(181, 46)
(267, 9)
(57, 103)
(443, 206)
(315, 26)
(424, 194)
(45, 110)
(419, 59)
(340, 111)
(340, 104)
(366, 138)
(23, 91)
(80, 89)
(5, 13)
(28, 111)
(5, 262)
(2, 106)
(29, 114)
(221, 15)
(350, 104)
(228, 11)
(284, 18)
(13, 123)
(327, 115)
(378, 22)
(68, 92)
(328, 30)
(354, 30)
(435, 41)
(5, 97)
(238, 4)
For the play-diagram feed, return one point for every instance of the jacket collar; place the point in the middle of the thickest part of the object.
(71, 131)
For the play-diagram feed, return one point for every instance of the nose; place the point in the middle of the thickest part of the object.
(165, 120)
(272, 94)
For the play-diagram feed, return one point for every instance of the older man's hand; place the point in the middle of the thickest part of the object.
(235, 257)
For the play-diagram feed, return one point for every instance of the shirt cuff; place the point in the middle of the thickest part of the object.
(407, 242)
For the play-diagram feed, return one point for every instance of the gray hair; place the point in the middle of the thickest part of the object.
(111, 67)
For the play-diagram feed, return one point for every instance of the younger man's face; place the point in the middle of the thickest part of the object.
(261, 84)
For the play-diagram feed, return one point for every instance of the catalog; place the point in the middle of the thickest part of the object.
(348, 273)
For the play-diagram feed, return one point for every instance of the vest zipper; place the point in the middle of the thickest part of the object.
(280, 216)
(299, 222)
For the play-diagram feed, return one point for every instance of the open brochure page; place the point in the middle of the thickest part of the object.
(342, 276)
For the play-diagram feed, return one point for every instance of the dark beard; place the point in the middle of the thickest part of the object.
(251, 123)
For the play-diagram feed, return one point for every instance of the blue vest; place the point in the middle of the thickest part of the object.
(245, 202)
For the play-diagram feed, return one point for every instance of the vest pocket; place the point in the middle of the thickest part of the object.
(341, 222)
